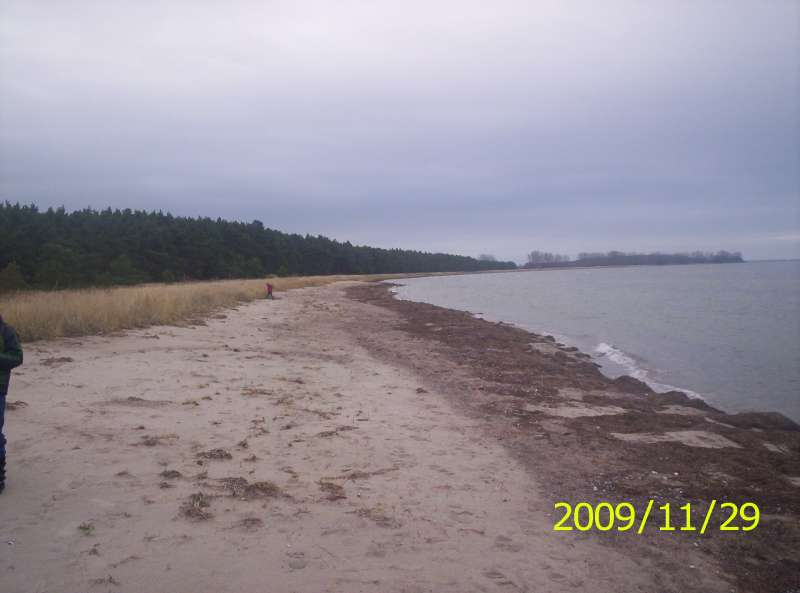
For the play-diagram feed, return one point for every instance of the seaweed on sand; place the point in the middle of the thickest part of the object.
(332, 491)
(240, 488)
(215, 454)
(194, 508)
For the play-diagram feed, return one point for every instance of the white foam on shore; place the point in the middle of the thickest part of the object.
(629, 364)
(621, 359)
(603, 352)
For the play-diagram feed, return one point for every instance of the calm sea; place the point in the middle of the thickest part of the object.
(729, 333)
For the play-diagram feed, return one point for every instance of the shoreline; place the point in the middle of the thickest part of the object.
(337, 439)
(738, 355)
(566, 343)
(623, 455)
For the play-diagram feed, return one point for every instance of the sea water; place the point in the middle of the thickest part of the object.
(729, 333)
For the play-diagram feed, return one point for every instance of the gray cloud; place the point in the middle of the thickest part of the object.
(460, 126)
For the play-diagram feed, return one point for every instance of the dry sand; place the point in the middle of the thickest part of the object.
(276, 449)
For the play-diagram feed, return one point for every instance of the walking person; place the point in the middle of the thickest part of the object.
(10, 357)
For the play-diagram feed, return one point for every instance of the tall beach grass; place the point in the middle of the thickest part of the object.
(66, 313)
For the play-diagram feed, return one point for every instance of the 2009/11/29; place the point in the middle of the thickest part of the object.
(604, 516)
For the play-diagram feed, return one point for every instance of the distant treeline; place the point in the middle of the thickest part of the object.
(541, 259)
(59, 249)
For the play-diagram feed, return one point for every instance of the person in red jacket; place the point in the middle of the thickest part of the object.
(269, 291)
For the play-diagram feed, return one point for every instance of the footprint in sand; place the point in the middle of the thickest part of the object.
(498, 577)
(507, 544)
(461, 516)
(441, 469)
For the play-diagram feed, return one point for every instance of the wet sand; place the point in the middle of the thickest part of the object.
(337, 440)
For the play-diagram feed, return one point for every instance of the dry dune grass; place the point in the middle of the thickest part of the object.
(66, 313)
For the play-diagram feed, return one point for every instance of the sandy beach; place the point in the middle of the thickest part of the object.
(338, 440)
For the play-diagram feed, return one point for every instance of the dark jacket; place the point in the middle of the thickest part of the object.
(10, 355)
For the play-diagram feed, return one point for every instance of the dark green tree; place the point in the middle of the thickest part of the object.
(11, 278)
(60, 249)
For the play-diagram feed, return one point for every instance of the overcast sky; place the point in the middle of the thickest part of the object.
(460, 126)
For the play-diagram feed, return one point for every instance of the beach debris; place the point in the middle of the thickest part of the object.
(108, 580)
(242, 444)
(336, 431)
(379, 516)
(133, 400)
(56, 360)
(421, 390)
(240, 488)
(361, 475)
(574, 410)
(690, 438)
(86, 528)
(297, 560)
(194, 507)
(628, 384)
(257, 426)
(253, 391)
(678, 410)
(16, 405)
(125, 560)
(321, 413)
(171, 474)
(215, 454)
(291, 472)
(249, 524)
(153, 440)
(332, 491)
